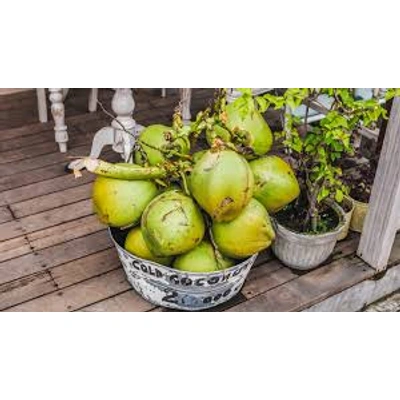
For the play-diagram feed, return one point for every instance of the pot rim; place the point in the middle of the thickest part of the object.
(360, 203)
(176, 271)
(350, 200)
(339, 211)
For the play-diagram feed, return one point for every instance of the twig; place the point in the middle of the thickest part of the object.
(76, 157)
(114, 118)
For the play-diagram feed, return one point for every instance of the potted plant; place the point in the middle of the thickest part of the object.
(308, 228)
(361, 178)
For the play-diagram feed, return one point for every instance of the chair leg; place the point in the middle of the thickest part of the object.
(64, 93)
(42, 104)
(93, 96)
(58, 112)
(163, 92)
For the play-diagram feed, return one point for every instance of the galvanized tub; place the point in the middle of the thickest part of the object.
(168, 287)
(305, 251)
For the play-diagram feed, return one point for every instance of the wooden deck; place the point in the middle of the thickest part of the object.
(56, 256)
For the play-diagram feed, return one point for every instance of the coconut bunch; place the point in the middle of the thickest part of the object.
(197, 208)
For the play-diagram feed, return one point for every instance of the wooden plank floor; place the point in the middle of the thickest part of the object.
(56, 256)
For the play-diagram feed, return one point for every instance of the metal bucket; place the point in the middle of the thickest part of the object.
(168, 287)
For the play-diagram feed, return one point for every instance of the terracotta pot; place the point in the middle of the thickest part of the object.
(349, 202)
(305, 251)
(359, 213)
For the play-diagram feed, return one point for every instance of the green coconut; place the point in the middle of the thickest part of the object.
(196, 156)
(275, 182)
(222, 183)
(261, 137)
(135, 244)
(120, 203)
(203, 258)
(246, 235)
(172, 224)
(157, 137)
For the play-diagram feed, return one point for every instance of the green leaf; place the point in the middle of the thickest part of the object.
(339, 196)
(277, 101)
(262, 103)
(337, 146)
(246, 91)
(323, 194)
(392, 92)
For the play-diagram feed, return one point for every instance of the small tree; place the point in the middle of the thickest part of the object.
(314, 150)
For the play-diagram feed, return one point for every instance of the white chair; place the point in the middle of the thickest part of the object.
(42, 102)
(121, 134)
(57, 97)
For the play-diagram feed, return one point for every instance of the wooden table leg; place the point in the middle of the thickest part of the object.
(186, 97)
(383, 217)
(42, 104)
(58, 112)
(93, 100)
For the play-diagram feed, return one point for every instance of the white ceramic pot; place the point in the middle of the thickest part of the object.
(306, 251)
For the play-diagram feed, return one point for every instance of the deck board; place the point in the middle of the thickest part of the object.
(48, 147)
(127, 301)
(34, 175)
(87, 267)
(5, 214)
(34, 190)
(25, 289)
(80, 295)
(26, 141)
(42, 161)
(53, 200)
(64, 232)
(13, 248)
(46, 219)
(56, 256)
(306, 290)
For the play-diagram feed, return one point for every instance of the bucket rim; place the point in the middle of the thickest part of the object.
(251, 260)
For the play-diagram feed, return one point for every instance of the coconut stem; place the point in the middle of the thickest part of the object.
(184, 183)
(126, 171)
